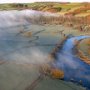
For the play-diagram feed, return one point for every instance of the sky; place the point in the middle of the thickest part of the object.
(30, 1)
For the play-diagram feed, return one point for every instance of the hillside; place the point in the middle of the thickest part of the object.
(71, 14)
(54, 7)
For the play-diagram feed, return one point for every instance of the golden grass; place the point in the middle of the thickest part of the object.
(83, 57)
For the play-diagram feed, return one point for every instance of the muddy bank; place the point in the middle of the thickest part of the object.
(58, 46)
(80, 53)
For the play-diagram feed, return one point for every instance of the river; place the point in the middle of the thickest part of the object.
(75, 69)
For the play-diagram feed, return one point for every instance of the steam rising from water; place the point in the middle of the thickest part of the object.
(15, 17)
(10, 41)
(35, 56)
(67, 59)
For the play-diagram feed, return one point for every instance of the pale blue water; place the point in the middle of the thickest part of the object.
(72, 66)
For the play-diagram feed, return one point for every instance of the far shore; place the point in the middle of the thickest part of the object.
(81, 54)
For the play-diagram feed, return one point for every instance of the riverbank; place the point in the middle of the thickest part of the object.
(83, 50)
(58, 46)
